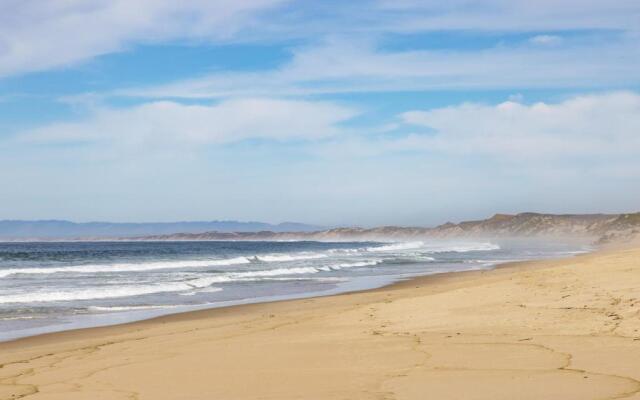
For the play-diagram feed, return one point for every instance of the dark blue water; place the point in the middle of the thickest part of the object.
(55, 286)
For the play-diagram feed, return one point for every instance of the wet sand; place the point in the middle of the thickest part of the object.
(566, 329)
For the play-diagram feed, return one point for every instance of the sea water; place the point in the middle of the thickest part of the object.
(47, 287)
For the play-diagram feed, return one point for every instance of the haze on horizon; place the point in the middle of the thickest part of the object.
(373, 112)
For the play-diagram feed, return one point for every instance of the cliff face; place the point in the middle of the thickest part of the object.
(593, 227)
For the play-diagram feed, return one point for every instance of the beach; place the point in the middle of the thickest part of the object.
(562, 329)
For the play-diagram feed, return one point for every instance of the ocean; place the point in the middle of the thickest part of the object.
(47, 287)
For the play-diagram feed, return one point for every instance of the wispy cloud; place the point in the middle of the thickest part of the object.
(341, 65)
(511, 15)
(36, 35)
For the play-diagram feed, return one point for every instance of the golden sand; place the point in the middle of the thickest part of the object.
(567, 329)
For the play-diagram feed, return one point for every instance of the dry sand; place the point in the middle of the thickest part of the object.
(567, 329)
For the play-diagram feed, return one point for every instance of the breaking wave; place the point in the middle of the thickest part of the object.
(429, 248)
(126, 267)
(290, 257)
(198, 284)
(264, 258)
(107, 292)
(397, 246)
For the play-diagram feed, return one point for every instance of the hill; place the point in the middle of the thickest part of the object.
(59, 229)
(592, 227)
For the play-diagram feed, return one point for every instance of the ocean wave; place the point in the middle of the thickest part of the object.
(303, 279)
(161, 265)
(126, 267)
(133, 308)
(23, 317)
(107, 292)
(479, 264)
(336, 267)
(230, 276)
(180, 286)
(267, 273)
(202, 290)
(418, 256)
(441, 248)
(571, 252)
(397, 246)
(346, 251)
(289, 257)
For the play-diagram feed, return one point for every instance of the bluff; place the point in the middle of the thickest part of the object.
(599, 228)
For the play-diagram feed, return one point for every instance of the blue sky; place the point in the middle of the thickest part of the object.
(337, 113)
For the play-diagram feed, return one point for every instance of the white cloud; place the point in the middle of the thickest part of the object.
(577, 155)
(598, 129)
(169, 123)
(512, 15)
(38, 35)
(473, 157)
(351, 66)
(546, 40)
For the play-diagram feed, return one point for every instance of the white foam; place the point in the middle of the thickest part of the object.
(126, 267)
(160, 265)
(205, 282)
(168, 265)
(493, 262)
(465, 247)
(573, 252)
(421, 257)
(366, 263)
(436, 248)
(20, 318)
(132, 308)
(138, 290)
(205, 290)
(259, 274)
(397, 246)
(108, 292)
(289, 257)
(273, 272)
(302, 279)
(347, 251)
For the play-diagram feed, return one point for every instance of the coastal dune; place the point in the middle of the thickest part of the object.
(565, 329)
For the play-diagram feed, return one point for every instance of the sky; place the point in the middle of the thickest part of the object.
(369, 112)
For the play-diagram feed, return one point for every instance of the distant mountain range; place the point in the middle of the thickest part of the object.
(600, 228)
(592, 227)
(56, 229)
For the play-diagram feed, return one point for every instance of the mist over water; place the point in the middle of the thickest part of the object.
(56, 286)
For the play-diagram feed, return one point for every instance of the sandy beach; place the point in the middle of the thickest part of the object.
(566, 329)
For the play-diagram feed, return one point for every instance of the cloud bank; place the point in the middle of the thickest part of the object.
(327, 111)
(595, 128)
(226, 122)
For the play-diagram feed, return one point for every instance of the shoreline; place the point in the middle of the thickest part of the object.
(566, 328)
(211, 308)
(194, 315)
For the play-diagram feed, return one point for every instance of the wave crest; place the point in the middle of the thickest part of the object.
(126, 267)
